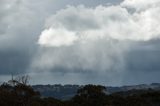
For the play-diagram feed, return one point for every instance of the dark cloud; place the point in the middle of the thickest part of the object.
(143, 60)
(144, 56)
(14, 62)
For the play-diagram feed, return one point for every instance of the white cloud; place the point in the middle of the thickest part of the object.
(96, 38)
(140, 5)
(57, 37)
(108, 22)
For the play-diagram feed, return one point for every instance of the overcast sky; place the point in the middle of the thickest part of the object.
(109, 42)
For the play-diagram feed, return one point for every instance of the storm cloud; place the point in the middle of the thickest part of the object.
(99, 41)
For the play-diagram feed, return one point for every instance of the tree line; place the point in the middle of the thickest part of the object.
(17, 92)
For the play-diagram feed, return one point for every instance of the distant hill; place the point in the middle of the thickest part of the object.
(58, 91)
(65, 92)
(154, 86)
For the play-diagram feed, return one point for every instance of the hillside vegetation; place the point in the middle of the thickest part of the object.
(18, 93)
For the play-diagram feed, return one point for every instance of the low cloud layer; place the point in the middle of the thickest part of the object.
(103, 42)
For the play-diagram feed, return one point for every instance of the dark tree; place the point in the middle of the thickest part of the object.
(90, 95)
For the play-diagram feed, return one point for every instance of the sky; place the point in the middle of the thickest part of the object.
(108, 42)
